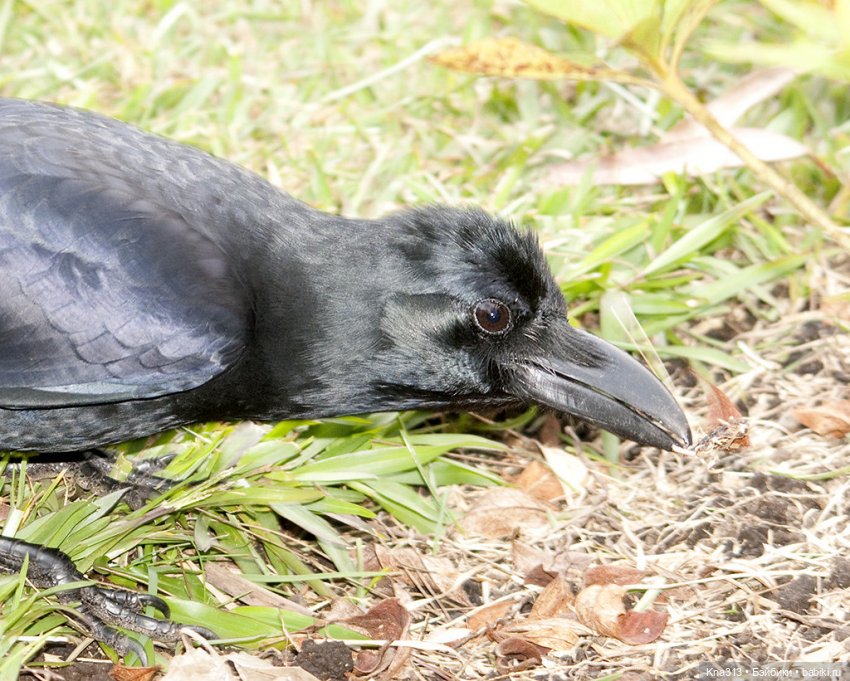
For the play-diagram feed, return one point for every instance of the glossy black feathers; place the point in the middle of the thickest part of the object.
(147, 284)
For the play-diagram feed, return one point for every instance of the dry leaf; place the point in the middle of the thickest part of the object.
(637, 628)
(539, 481)
(570, 470)
(554, 633)
(502, 512)
(120, 673)
(220, 575)
(527, 559)
(540, 567)
(539, 576)
(830, 419)
(196, 664)
(613, 574)
(621, 575)
(727, 429)
(252, 668)
(515, 654)
(720, 407)
(387, 621)
(601, 608)
(489, 614)
(512, 58)
(431, 575)
(697, 155)
(556, 600)
(549, 434)
(342, 608)
(372, 662)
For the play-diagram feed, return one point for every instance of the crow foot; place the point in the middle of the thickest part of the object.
(101, 608)
(91, 470)
(94, 474)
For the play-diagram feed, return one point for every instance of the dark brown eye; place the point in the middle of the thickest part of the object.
(492, 316)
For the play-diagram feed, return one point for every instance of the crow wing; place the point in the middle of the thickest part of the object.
(108, 292)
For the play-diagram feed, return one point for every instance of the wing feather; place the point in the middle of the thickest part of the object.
(105, 295)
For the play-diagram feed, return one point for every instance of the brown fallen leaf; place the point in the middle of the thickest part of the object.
(637, 628)
(539, 576)
(341, 609)
(622, 575)
(726, 428)
(613, 574)
(488, 615)
(223, 576)
(601, 608)
(556, 600)
(540, 482)
(120, 673)
(553, 633)
(431, 575)
(387, 621)
(549, 434)
(720, 407)
(503, 512)
(515, 654)
(836, 306)
(830, 419)
(540, 567)
(692, 156)
(527, 559)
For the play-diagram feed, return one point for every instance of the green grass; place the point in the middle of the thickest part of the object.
(268, 86)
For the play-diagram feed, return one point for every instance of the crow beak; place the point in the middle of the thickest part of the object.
(577, 373)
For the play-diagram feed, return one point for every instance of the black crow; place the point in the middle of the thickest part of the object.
(146, 285)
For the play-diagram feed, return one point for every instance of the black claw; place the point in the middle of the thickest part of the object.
(157, 603)
(139, 650)
(119, 642)
(142, 484)
(133, 601)
(208, 634)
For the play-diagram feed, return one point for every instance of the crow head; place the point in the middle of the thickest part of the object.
(474, 318)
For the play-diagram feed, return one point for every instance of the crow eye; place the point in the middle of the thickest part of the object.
(492, 316)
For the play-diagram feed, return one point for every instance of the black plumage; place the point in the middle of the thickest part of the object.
(147, 285)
